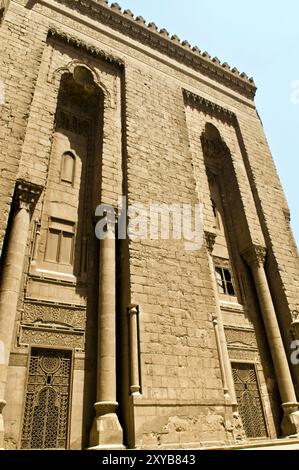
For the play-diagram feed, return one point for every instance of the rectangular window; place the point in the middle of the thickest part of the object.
(60, 241)
(224, 281)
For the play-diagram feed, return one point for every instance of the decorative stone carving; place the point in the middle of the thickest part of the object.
(255, 256)
(27, 194)
(46, 336)
(209, 107)
(238, 354)
(210, 241)
(240, 337)
(38, 312)
(75, 41)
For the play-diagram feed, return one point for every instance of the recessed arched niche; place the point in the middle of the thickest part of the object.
(68, 164)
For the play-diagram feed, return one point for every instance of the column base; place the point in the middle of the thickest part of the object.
(290, 421)
(106, 432)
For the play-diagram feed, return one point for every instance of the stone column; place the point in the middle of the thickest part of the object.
(106, 432)
(225, 365)
(255, 257)
(134, 356)
(26, 195)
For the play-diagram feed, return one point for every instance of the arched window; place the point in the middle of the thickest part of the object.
(68, 167)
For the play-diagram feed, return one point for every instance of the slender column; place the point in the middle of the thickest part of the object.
(106, 432)
(225, 365)
(134, 359)
(26, 196)
(255, 257)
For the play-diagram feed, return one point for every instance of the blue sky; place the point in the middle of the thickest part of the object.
(261, 38)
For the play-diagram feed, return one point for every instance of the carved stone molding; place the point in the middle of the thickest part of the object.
(210, 238)
(47, 336)
(255, 256)
(136, 28)
(209, 107)
(62, 36)
(236, 354)
(240, 338)
(27, 194)
(67, 316)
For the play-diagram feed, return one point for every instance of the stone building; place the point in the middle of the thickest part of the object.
(132, 342)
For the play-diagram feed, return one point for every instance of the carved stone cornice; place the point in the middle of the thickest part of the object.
(148, 34)
(76, 42)
(255, 256)
(27, 195)
(210, 238)
(209, 107)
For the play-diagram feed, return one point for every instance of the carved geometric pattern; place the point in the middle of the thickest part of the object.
(46, 336)
(249, 400)
(239, 337)
(45, 421)
(34, 312)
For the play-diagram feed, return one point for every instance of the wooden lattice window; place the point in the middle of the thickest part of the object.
(46, 414)
(249, 400)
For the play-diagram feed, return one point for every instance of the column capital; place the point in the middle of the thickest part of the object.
(27, 194)
(255, 256)
(210, 238)
(133, 309)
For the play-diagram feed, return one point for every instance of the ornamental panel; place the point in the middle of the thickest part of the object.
(45, 424)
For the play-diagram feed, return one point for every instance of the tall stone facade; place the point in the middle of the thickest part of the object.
(137, 343)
